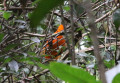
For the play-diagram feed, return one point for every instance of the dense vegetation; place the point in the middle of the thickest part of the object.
(91, 31)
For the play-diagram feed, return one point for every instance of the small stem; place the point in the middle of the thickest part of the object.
(116, 49)
(65, 30)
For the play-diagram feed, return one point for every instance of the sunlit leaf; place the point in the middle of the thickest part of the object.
(43, 66)
(71, 74)
(67, 8)
(116, 79)
(6, 15)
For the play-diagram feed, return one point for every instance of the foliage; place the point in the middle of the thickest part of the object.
(6, 15)
(42, 9)
(109, 64)
(116, 78)
(1, 36)
(26, 26)
(116, 18)
(71, 74)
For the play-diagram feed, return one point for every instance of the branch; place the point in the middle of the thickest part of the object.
(72, 33)
(94, 38)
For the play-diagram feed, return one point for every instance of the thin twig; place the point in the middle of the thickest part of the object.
(100, 46)
(41, 73)
(5, 79)
(65, 31)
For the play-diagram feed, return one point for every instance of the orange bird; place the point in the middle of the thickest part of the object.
(54, 45)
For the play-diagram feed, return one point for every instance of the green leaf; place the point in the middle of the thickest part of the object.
(116, 18)
(35, 59)
(35, 2)
(93, 1)
(2, 59)
(7, 60)
(79, 29)
(71, 74)
(31, 53)
(109, 64)
(1, 36)
(43, 8)
(6, 15)
(29, 14)
(30, 62)
(10, 46)
(45, 55)
(43, 26)
(0, 26)
(27, 60)
(43, 66)
(116, 79)
(67, 8)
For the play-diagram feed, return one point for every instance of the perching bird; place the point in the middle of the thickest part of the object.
(54, 47)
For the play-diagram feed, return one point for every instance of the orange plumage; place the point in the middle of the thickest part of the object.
(54, 45)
